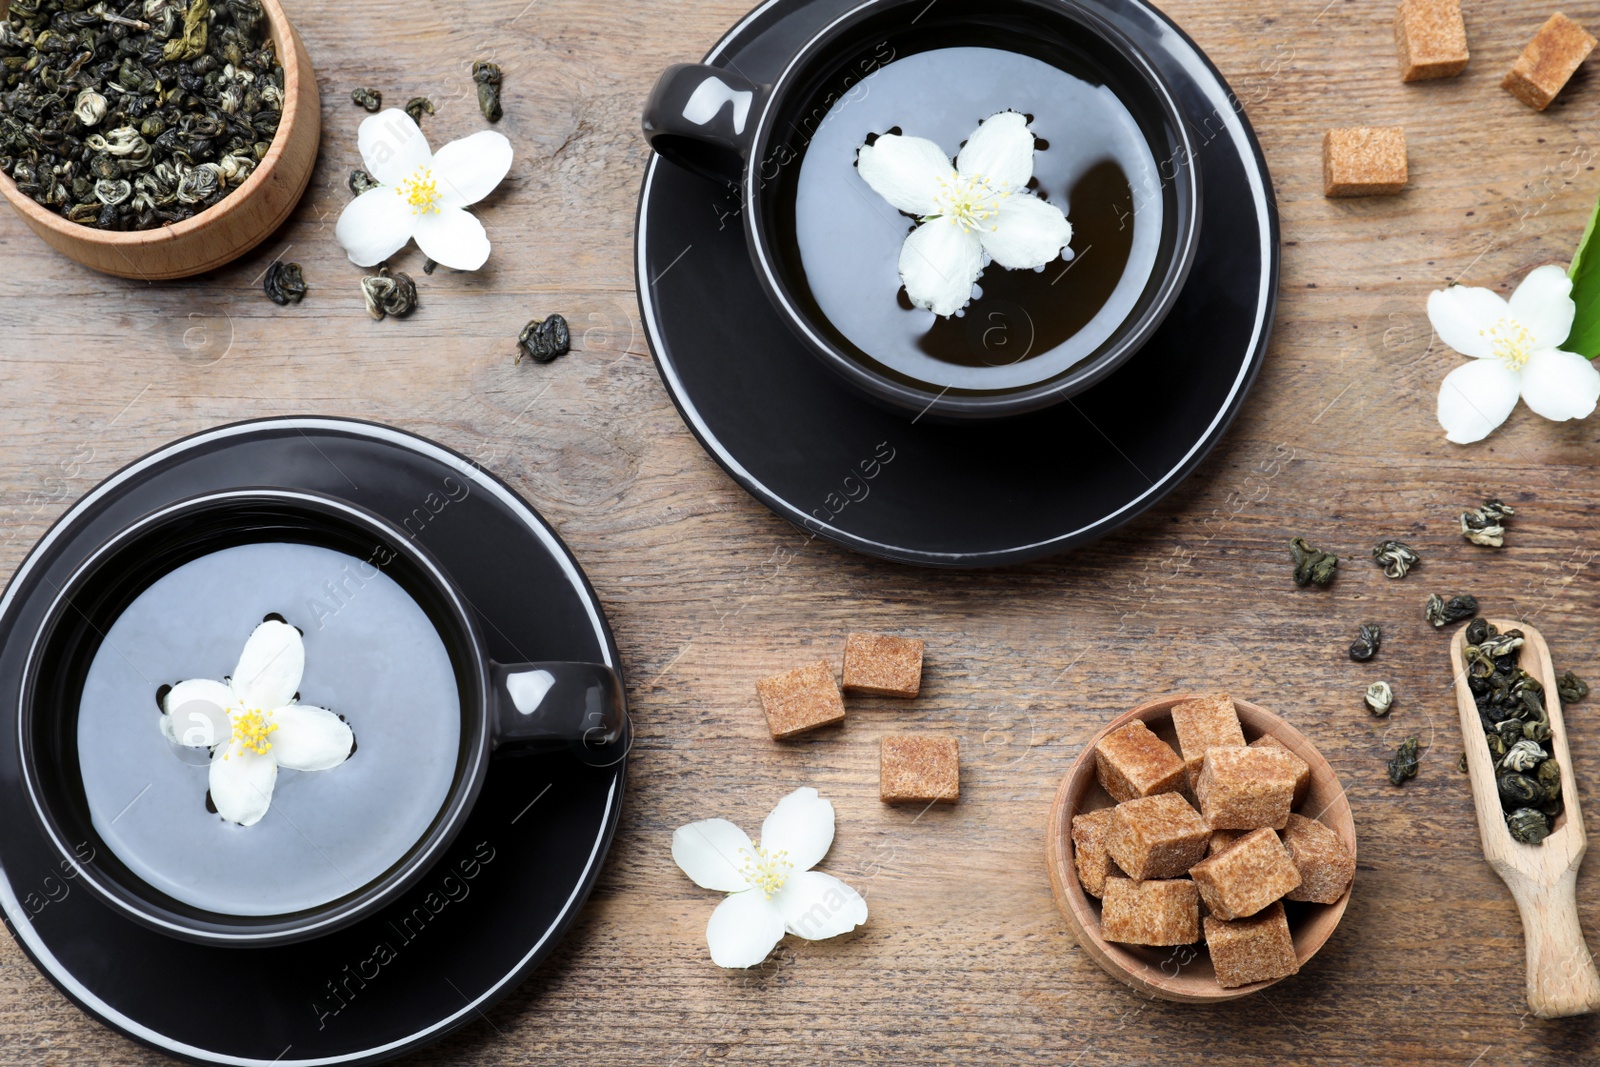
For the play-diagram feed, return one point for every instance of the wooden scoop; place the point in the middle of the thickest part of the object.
(1562, 979)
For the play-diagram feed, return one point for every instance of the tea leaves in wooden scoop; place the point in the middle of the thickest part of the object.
(1516, 729)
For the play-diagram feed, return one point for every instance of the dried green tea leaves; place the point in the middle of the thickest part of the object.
(1485, 526)
(112, 192)
(1369, 638)
(1311, 565)
(1524, 756)
(1379, 698)
(1549, 775)
(488, 76)
(1497, 743)
(370, 99)
(1442, 612)
(1518, 790)
(361, 181)
(417, 107)
(191, 42)
(1404, 763)
(389, 294)
(1496, 645)
(544, 339)
(128, 124)
(1395, 557)
(285, 283)
(1516, 727)
(1528, 826)
(89, 108)
(1571, 688)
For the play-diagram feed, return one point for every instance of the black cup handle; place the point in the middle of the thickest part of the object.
(703, 118)
(551, 706)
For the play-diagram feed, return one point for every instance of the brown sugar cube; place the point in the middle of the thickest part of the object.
(800, 700)
(1302, 781)
(1157, 837)
(1221, 839)
(882, 665)
(1246, 788)
(1245, 878)
(1089, 853)
(1325, 865)
(1256, 949)
(1543, 68)
(1431, 39)
(1364, 161)
(1133, 762)
(917, 768)
(1150, 913)
(1205, 723)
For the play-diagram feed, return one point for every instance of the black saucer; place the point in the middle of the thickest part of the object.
(967, 495)
(477, 924)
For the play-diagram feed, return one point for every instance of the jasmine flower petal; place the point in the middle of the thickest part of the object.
(938, 264)
(743, 929)
(1026, 233)
(1475, 398)
(1543, 304)
(906, 171)
(469, 169)
(1560, 385)
(1000, 152)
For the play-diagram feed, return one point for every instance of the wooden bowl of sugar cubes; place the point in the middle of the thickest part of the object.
(1201, 849)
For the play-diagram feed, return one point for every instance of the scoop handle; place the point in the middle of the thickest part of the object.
(1562, 979)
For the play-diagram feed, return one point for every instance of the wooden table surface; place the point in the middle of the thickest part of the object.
(965, 958)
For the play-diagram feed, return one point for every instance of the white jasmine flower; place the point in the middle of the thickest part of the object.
(252, 724)
(979, 207)
(1515, 351)
(421, 193)
(771, 887)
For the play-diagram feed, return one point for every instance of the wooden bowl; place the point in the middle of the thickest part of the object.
(229, 228)
(1185, 974)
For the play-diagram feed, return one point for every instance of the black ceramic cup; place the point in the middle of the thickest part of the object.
(163, 865)
(721, 125)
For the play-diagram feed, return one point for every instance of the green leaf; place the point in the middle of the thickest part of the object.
(1585, 274)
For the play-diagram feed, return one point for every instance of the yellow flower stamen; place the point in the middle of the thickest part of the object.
(1510, 341)
(420, 191)
(970, 201)
(250, 730)
(766, 871)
